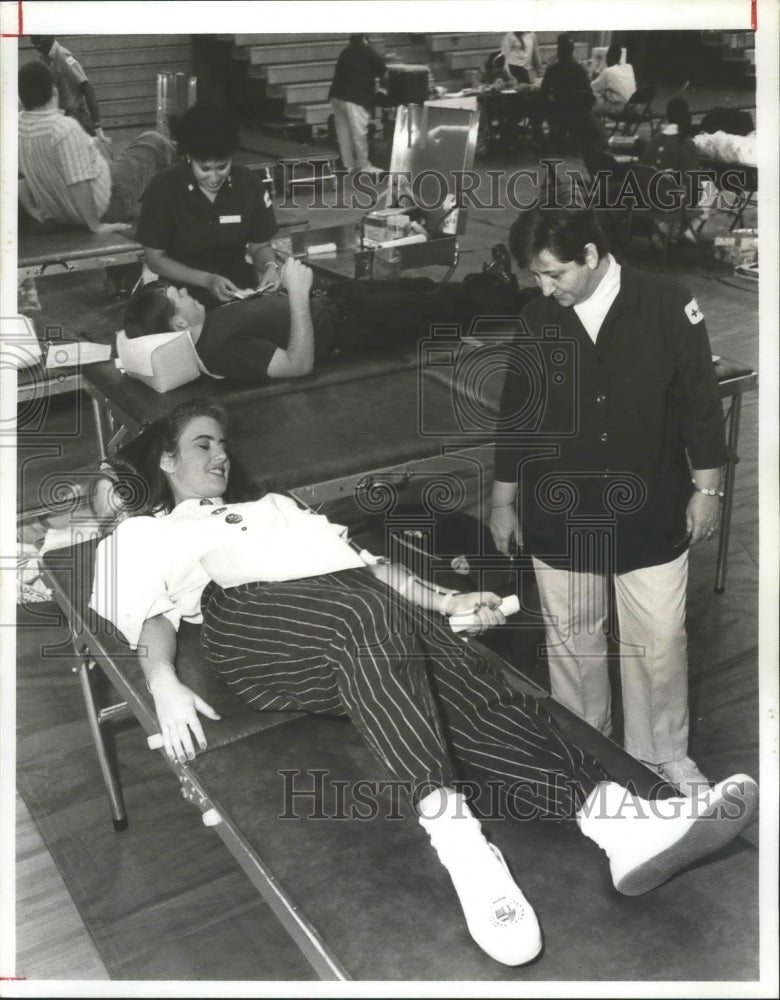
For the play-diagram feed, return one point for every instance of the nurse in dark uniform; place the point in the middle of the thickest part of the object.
(206, 224)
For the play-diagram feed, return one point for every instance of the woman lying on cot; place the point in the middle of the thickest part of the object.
(201, 217)
(293, 618)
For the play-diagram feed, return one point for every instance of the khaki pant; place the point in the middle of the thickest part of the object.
(351, 121)
(650, 606)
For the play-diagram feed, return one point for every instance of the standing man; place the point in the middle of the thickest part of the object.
(76, 96)
(617, 474)
(352, 95)
(567, 99)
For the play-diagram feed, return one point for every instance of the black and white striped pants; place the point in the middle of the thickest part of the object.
(429, 706)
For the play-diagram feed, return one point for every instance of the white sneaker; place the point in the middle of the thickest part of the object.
(498, 916)
(685, 775)
(648, 842)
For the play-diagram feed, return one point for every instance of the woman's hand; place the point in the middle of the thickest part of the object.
(177, 708)
(221, 288)
(484, 606)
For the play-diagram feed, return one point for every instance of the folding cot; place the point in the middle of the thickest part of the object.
(47, 249)
(72, 249)
(354, 881)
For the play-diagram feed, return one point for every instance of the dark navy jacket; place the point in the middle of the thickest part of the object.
(598, 436)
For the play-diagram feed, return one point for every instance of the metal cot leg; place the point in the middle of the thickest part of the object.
(728, 493)
(98, 415)
(107, 765)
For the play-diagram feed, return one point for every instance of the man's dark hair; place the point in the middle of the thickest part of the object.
(565, 48)
(614, 53)
(563, 232)
(148, 311)
(205, 132)
(36, 85)
(42, 43)
(678, 113)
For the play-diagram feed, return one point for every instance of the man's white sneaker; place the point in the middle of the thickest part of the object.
(685, 775)
(648, 842)
(498, 916)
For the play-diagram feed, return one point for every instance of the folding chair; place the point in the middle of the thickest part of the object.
(657, 188)
(638, 109)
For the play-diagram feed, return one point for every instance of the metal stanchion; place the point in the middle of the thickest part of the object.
(175, 93)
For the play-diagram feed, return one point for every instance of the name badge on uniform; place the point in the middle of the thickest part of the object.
(228, 219)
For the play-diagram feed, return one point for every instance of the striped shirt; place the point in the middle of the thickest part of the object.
(54, 153)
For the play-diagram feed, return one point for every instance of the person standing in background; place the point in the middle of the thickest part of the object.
(76, 95)
(351, 95)
(567, 100)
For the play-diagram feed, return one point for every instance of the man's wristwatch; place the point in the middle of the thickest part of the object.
(708, 492)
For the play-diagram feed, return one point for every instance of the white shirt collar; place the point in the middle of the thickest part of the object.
(593, 310)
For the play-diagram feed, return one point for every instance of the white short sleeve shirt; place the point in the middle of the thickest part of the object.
(155, 566)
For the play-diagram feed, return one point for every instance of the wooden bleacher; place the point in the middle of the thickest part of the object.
(123, 70)
(294, 72)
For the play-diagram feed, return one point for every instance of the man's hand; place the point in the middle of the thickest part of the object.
(505, 528)
(177, 710)
(221, 288)
(297, 278)
(702, 517)
(272, 279)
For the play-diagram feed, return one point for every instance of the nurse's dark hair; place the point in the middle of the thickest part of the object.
(206, 132)
(563, 232)
(140, 485)
(148, 310)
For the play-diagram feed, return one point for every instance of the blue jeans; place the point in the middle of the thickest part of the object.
(132, 170)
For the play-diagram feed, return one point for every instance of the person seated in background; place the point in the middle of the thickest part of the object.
(204, 216)
(294, 617)
(522, 62)
(76, 95)
(673, 149)
(491, 72)
(567, 100)
(68, 176)
(616, 83)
